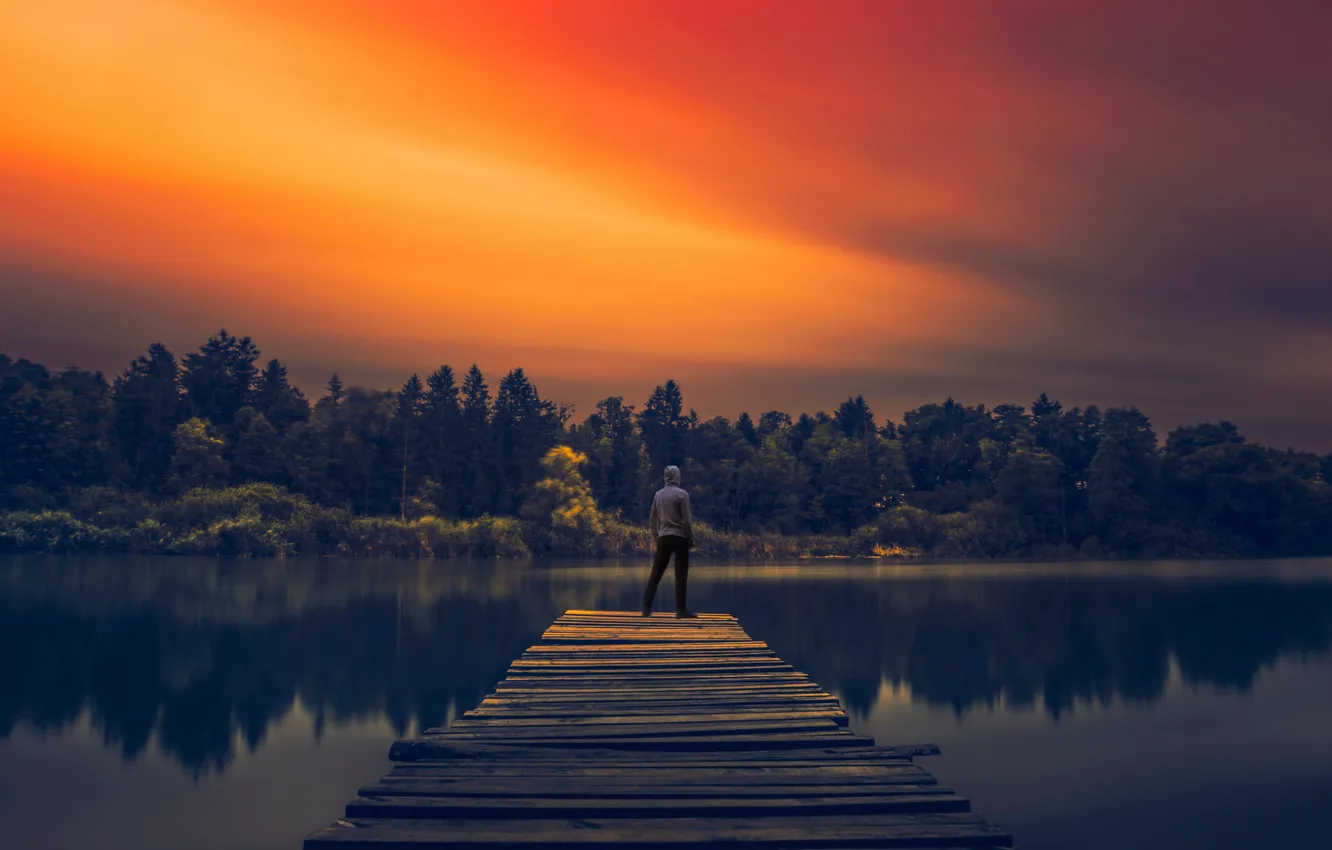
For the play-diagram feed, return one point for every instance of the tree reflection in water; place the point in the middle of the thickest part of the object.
(200, 654)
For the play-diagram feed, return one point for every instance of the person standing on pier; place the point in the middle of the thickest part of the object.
(672, 527)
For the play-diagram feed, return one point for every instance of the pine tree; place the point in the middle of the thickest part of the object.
(855, 418)
(256, 454)
(477, 446)
(147, 408)
(441, 427)
(745, 426)
(335, 389)
(524, 428)
(221, 378)
(407, 424)
(664, 426)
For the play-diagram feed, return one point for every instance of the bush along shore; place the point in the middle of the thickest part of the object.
(264, 520)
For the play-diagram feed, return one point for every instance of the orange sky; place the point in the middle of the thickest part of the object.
(612, 193)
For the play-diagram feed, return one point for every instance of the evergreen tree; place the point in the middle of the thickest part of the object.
(220, 378)
(1123, 485)
(280, 403)
(855, 418)
(745, 427)
(36, 429)
(477, 446)
(614, 449)
(772, 422)
(441, 426)
(368, 453)
(256, 455)
(524, 429)
(1043, 407)
(148, 407)
(663, 425)
(335, 389)
(1028, 490)
(406, 422)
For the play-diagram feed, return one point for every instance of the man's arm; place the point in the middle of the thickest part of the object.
(688, 520)
(654, 519)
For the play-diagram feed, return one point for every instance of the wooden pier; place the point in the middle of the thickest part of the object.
(618, 730)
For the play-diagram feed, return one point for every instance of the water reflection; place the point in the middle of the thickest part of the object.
(205, 657)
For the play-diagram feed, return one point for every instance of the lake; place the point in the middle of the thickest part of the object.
(154, 703)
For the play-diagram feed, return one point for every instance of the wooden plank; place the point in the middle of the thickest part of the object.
(627, 707)
(631, 682)
(617, 689)
(652, 668)
(714, 702)
(645, 636)
(654, 631)
(727, 697)
(704, 686)
(508, 806)
(895, 831)
(512, 716)
(510, 719)
(693, 646)
(681, 785)
(575, 636)
(708, 660)
(675, 772)
(666, 739)
(701, 617)
(416, 749)
(712, 658)
(669, 662)
(518, 729)
(438, 747)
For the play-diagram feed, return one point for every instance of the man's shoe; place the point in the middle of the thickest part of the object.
(685, 615)
(647, 612)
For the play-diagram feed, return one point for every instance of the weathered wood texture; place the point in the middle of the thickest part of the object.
(619, 730)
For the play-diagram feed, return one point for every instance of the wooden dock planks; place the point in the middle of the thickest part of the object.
(619, 730)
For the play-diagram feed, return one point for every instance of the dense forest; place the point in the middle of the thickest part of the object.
(217, 452)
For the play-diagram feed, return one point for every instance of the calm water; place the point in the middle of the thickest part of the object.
(148, 703)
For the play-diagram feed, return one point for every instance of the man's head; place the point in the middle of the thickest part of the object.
(673, 476)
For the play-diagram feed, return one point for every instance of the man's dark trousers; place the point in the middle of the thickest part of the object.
(667, 545)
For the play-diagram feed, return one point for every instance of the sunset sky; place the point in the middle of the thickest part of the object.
(776, 202)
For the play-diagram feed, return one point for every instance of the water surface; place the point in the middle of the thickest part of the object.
(166, 703)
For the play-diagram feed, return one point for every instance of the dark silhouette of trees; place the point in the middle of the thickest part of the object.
(478, 446)
(664, 426)
(407, 425)
(221, 378)
(951, 479)
(257, 453)
(281, 404)
(441, 431)
(197, 459)
(524, 428)
(1124, 482)
(616, 463)
(148, 407)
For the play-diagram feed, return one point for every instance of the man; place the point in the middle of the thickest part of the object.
(672, 527)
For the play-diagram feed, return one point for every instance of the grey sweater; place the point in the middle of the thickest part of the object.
(670, 510)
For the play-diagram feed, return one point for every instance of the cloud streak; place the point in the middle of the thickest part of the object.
(1119, 203)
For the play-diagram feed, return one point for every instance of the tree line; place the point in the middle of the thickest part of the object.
(949, 478)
